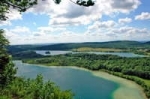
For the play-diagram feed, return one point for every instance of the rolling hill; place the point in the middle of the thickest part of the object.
(69, 46)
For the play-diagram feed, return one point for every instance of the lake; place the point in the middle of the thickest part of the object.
(121, 54)
(82, 83)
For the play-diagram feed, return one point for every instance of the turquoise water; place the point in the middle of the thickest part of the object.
(121, 54)
(82, 83)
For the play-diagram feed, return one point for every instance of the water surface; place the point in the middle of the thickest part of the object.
(82, 83)
(121, 54)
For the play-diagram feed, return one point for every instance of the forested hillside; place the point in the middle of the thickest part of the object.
(68, 46)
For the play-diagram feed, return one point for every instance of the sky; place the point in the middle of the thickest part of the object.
(107, 20)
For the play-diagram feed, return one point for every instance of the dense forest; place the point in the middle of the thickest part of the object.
(25, 54)
(136, 69)
(21, 88)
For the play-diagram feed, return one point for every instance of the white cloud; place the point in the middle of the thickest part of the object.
(51, 29)
(12, 37)
(17, 34)
(4, 23)
(143, 16)
(108, 34)
(45, 29)
(125, 20)
(120, 33)
(20, 30)
(100, 25)
(68, 13)
(75, 21)
(11, 15)
(130, 30)
(14, 15)
(125, 6)
(131, 33)
(122, 30)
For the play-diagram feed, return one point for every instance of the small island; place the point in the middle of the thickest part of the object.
(47, 52)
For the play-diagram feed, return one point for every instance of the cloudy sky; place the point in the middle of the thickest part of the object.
(107, 20)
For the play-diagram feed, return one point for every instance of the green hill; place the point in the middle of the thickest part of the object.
(69, 46)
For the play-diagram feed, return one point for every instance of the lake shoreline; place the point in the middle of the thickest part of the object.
(126, 87)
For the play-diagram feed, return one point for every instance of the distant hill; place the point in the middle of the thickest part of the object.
(111, 44)
(18, 48)
(26, 54)
(147, 42)
(68, 46)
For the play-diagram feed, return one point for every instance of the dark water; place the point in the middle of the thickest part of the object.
(82, 83)
(121, 54)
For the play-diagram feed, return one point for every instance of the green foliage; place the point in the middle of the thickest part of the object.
(7, 70)
(130, 66)
(3, 40)
(22, 88)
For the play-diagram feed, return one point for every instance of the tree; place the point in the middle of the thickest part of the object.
(7, 70)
